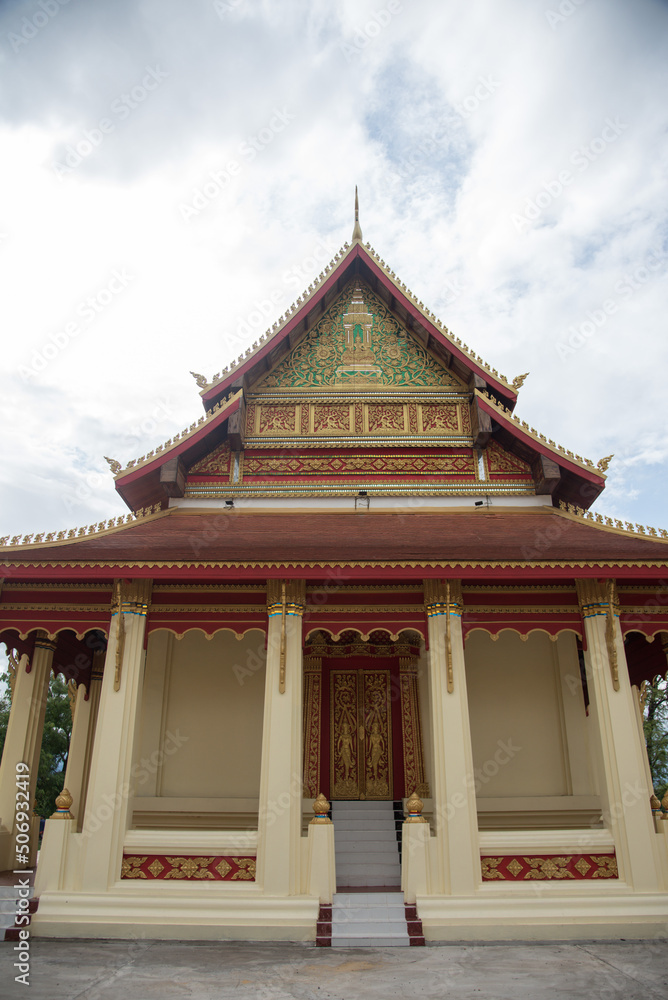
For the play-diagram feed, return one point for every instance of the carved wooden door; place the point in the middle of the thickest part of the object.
(361, 734)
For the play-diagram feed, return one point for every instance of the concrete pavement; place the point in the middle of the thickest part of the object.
(165, 970)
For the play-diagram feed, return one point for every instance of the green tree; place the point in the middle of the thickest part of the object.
(55, 742)
(55, 745)
(656, 733)
(5, 706)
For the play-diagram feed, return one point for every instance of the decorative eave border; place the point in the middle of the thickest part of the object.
(325, 280)
(538, 441)
(441, 568)
(65, 537)
(123, 521)
(268, 490)
(177, 444)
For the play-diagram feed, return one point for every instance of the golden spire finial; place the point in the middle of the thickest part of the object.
(357, 230)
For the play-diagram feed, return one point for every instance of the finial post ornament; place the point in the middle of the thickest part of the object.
(114, 465)
(63, 804)
(357, 229)
(414, 806)
(518, 382)
(321, 807)
(200, 379)
(602, 466)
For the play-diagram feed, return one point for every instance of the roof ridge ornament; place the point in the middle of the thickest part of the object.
(357, 229)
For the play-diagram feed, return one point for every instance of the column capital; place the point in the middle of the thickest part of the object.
(131, 596)
(288, 594)
(43, 642)
(597, 597)
(442, 597)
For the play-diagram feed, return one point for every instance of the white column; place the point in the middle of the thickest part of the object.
(97, 672)
(280, 805)
(76, 756)
(624, 788)
(23, 740)
(110, 790)
(452, 785)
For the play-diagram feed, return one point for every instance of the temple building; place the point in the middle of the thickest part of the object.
(359, 645)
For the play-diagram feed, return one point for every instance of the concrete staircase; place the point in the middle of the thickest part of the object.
(367, 850)
(369, 919)
(367, 836)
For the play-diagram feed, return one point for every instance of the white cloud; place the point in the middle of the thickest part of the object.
(440, 178)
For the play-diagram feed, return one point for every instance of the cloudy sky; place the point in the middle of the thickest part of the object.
(168, 166)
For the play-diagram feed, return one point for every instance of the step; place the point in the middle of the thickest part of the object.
(355, 899)
(353, 806)
(386, 941)
(356, 835)
(372, 857)
(350, 867)
(376, 913)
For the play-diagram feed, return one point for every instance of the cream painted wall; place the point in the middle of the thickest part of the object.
(516, 696)
(208, 693)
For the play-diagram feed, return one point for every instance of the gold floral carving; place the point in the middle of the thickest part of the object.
(500, 460)
(344, 755)
(190, 868)
(386, 417)
(412, 464)
(549, 868)
(361, 734)
(251, 410)
(358, 342)
(131, 866)
(332, 417)
(277, 418)
(359, 419)
(312, 728)
(216, 463)
(414, 776)
(413, 418)
(438, 419)
(246, 868)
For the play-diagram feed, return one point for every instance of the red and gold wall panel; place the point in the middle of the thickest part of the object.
(80, 608)
(643, 608)
(552, 609)
(179, 608)
(192, 868)
(333, 418)
(548, 867)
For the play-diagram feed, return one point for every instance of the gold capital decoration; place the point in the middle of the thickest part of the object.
(281, 672)
(72, 695)
(287, 599)
(448, 641)
(130, 597)
(598, 598)
(13, 668)
(321, 807)
(444, 597)
(63, 804)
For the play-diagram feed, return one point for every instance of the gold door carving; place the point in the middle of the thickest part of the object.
(361, 734)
